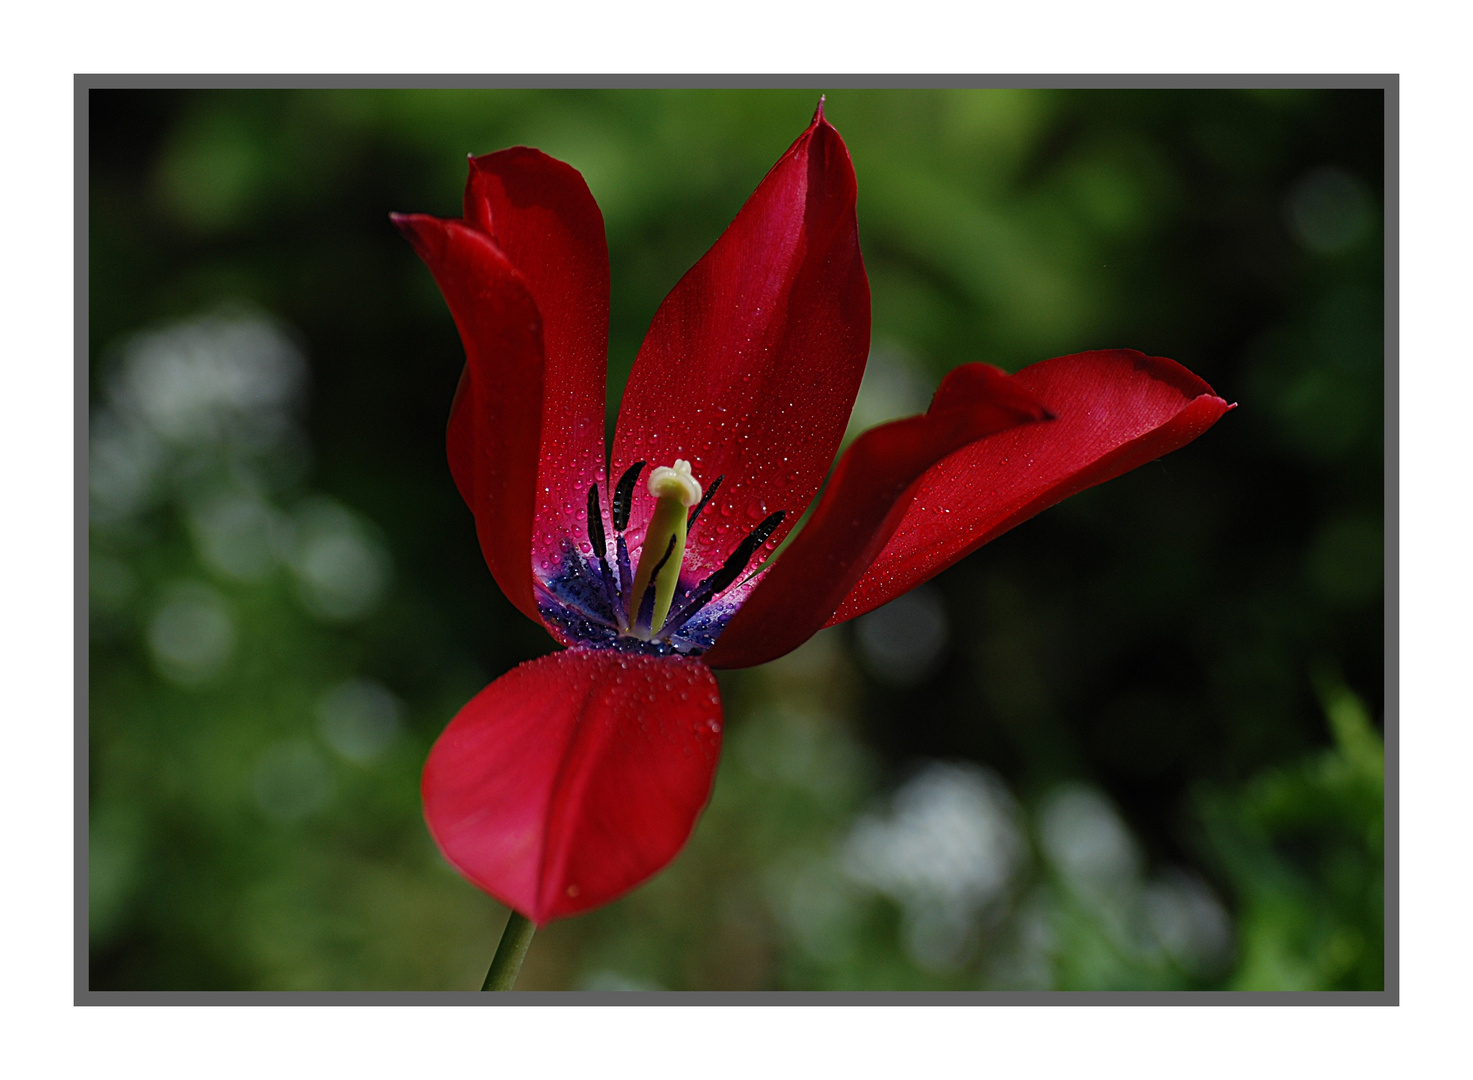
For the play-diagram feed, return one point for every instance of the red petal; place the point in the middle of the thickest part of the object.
(752, 363)
(543, 219)
(1115, 409)
(496, 419)
(862, 506)
(574, 777)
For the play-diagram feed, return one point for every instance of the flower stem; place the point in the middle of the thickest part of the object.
(510, 953)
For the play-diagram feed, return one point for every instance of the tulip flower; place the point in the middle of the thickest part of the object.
(576, 776)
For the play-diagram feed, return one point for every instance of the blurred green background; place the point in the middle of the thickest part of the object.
(1135, 743)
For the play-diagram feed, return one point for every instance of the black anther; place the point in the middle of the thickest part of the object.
(597, 537)
(626, 577)
(730, 570)
(624, 496)
(704, 500)
(596, 522)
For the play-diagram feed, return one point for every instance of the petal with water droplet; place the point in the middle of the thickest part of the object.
(1114, 409)
(860, 508)
(583, 769)
(753, 361)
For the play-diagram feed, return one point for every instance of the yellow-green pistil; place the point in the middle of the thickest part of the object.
(675, 491)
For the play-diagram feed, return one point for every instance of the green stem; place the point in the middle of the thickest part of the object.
(510, 953)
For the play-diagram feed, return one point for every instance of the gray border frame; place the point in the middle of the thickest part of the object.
(1389, 84)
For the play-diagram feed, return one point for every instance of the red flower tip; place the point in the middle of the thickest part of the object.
(818, 112)
(418, 229)
(973, 388)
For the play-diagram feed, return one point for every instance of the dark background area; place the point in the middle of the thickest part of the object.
(1133, 743)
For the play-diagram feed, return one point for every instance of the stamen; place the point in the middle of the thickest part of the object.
(715, 486)
(626, 578)
(624, 495)
(647, 602)
(650, 592)
(598, 539)
(596, 522)
(730, 570)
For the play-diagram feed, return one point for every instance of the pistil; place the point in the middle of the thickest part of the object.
(675, 491)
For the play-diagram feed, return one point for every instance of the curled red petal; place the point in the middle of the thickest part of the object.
(752, 363)
(865, 501)
(1114, 410)
(572, 778)
(543, 219)
(495, 428)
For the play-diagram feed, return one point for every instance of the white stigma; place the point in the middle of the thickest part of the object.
(675, 483)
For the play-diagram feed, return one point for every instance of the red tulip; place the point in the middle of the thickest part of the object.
(571, 779)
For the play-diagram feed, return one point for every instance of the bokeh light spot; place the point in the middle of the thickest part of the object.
(1086, 841)
(342, 570)
(949, 845)
(1329, 211)
(292, 780)
(359, 719)
(192, 635)
(1345, 562)
(904, 642)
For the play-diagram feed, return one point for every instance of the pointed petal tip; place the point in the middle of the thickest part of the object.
(412, 226)
(510, 154)
(818, 112)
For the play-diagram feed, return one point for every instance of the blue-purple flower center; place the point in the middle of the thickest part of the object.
(591, 598)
